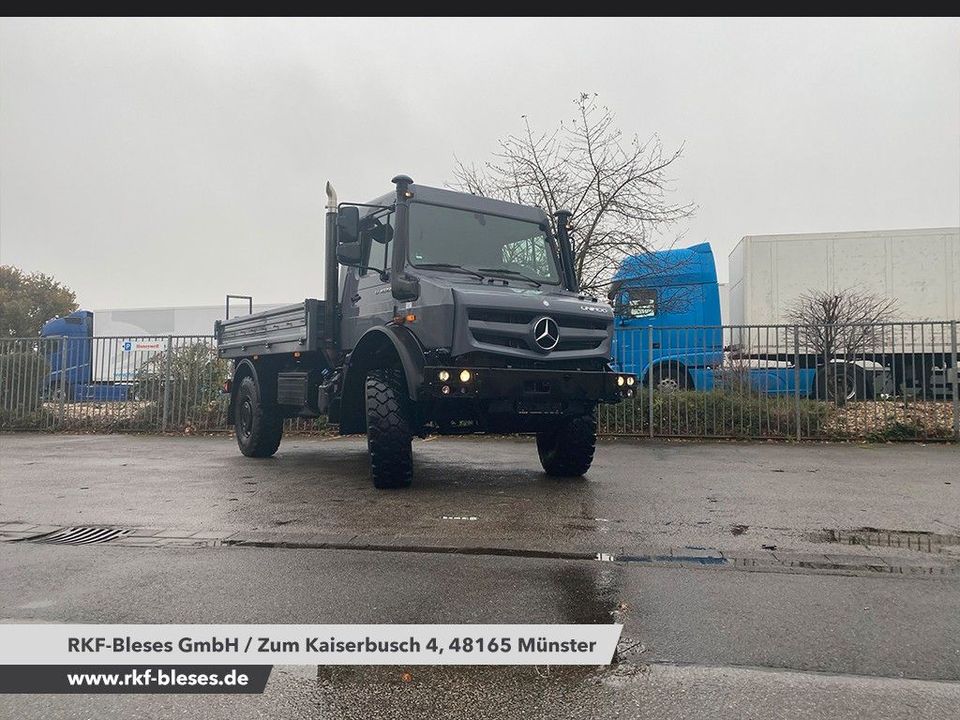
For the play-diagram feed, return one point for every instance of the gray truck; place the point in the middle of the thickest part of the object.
(452, 314)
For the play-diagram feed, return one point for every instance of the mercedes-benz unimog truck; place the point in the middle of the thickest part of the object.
(443, 312)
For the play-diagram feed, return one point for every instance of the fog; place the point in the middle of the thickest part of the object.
(150, 163)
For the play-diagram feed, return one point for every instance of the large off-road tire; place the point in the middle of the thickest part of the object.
(389, 435)
(568, 451)
(258, 426)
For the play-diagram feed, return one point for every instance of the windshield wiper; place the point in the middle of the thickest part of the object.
(505, 271)
(450, 266)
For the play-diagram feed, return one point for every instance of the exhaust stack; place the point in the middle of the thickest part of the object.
(331, 289)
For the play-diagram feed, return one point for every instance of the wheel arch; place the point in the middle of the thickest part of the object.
(673, 363)
(380, 347)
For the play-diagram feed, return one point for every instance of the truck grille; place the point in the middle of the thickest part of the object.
(512, 329)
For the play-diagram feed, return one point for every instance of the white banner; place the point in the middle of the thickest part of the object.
(308, 644)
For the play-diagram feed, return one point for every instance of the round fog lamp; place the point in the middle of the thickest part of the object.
(443, 375)
(465, 376)
(445, 389)
(620, 380)
(631, 380)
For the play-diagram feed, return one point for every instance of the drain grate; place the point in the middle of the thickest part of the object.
(878, 538)
(81, 535)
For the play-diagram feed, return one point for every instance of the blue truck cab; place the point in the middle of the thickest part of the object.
(70, 354)
(668, 329)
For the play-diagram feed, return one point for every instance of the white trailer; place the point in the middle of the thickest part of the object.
(920, 269)
(130, 337)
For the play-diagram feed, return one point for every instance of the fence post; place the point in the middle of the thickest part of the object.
(63, 378)
(167, 390)
(956, 380)
(796, 378)
(650, 379)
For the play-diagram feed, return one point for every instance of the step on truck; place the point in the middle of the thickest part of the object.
(443, 312)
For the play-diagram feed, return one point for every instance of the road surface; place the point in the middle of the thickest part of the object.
(753, 579)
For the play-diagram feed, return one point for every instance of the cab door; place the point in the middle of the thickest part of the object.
(367, 300)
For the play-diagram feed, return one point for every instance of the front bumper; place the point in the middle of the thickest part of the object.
(526, 388)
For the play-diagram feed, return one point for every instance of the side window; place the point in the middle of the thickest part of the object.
(376, 235)
(638, 303)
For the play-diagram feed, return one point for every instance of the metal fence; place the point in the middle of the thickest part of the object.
(890, 381)
(893, 381)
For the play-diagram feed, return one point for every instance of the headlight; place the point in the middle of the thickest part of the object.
(443, 375)
(465, 376)
(620, 380)
(631, 380)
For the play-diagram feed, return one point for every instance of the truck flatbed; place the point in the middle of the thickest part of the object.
(290, 328)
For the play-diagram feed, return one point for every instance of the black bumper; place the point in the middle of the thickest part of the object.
(527, 388)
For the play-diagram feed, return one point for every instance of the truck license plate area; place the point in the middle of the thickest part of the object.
(536, 387)
(539, 407)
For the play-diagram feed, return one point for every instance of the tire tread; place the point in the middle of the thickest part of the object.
(568, 452)
(389, 435)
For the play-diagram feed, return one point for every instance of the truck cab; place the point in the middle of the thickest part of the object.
(69, 352)
(668, 325)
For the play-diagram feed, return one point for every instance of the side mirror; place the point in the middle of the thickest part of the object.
(348, 224)
(349, 250)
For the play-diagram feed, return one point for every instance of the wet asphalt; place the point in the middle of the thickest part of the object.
(736, 599)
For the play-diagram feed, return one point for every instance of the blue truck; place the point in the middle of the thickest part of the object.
(79, 368)
(668, 331)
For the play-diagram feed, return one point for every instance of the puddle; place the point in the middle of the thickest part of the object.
(588, 593)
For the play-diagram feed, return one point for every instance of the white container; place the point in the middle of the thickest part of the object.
(920, 269)
(129, 338)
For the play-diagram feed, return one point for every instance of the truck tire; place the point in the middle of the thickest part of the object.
(56, 393)
(568, 451)
(389, 436)
(259, 427)
(670, 378)
(837, 384)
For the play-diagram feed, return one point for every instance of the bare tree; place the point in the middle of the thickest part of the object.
(617, 188)
(841, 323)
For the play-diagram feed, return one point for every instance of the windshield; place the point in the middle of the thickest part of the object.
(473, 240)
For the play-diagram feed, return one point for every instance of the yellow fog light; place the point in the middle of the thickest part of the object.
(620, 380)
(631, 380)
(443, 375)
(465, 376)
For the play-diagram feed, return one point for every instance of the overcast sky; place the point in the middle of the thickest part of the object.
(156, 163)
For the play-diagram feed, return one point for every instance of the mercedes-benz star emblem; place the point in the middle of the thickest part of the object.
(546, 333)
